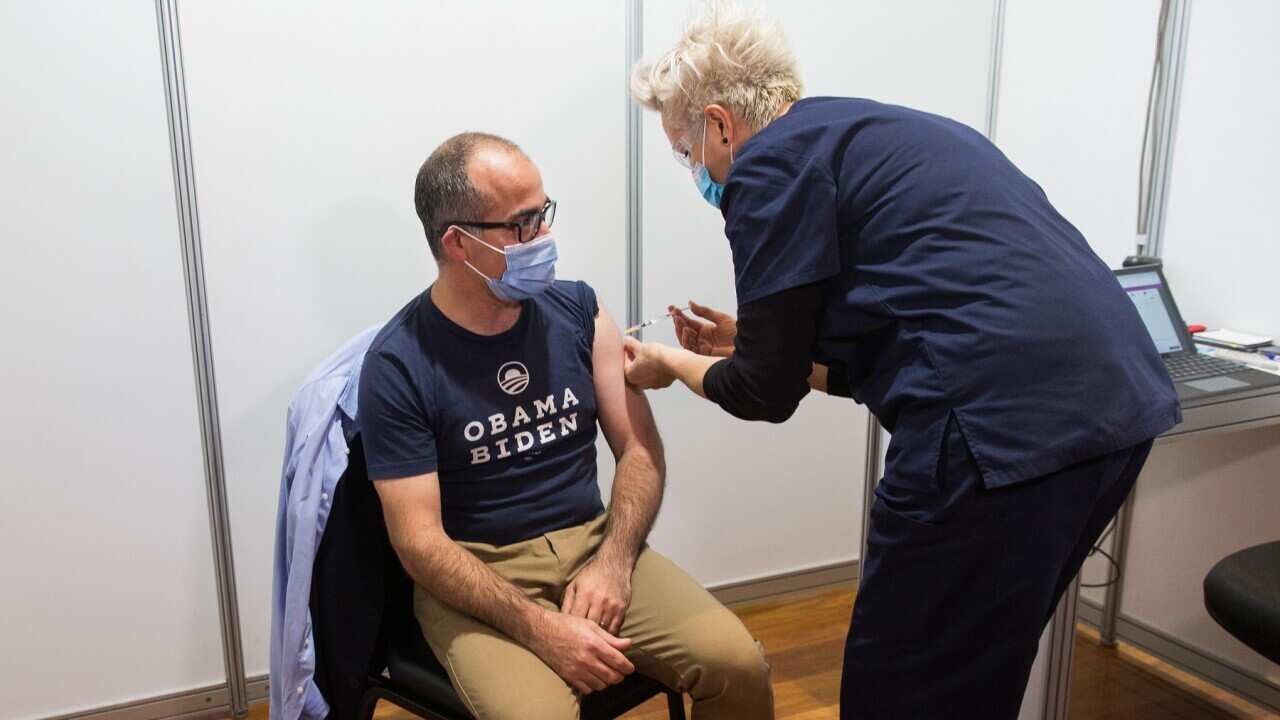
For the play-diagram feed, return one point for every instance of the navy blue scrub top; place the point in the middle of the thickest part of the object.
(950, 286)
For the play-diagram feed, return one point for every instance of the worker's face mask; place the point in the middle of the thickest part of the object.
(531, 268)
(711, 191)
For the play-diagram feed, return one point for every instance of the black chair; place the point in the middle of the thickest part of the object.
(362, 608)
(1242, 594)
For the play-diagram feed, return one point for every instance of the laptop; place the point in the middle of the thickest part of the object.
(1194, 375)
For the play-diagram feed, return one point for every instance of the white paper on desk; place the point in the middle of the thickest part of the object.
(1251, 359)
(1231, 337)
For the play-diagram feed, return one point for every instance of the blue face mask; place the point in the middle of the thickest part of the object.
(712, 191)
(531, 268)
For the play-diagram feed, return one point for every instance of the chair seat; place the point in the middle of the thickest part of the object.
(1242, 593)
(416, 672)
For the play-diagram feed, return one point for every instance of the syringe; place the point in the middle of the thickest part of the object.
(647, 323)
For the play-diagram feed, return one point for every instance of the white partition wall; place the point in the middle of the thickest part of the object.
(749, 500)
(1222, 233)
(1073, 89)
(309, 121)
(108, 591)
(1202, 499)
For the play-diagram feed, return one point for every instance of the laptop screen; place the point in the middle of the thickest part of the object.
(1144, 290)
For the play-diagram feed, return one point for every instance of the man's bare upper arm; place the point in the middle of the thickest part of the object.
(623, 411)
(410, 505)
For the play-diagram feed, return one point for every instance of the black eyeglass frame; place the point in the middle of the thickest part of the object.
(546, 215)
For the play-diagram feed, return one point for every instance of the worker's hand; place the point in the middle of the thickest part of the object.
(713, 334)
(645, 364)
(581, 652)
(600, 593)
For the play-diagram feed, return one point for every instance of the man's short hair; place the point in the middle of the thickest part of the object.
(443, 191)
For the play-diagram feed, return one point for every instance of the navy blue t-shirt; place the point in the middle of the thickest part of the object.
(950, 286)
(507, 421)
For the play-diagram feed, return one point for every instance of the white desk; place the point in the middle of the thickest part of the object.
(1222, 413)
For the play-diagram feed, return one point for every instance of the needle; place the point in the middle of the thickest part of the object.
(647, 323)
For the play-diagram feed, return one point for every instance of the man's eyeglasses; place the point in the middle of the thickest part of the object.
(683, 157)
(526, 228)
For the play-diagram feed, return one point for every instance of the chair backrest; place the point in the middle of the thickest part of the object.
(397, 625)
(350, 603)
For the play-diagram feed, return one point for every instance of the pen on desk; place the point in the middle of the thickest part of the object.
(647, 323)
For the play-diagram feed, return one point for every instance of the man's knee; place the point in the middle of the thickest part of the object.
(746, 663)
(729, 657)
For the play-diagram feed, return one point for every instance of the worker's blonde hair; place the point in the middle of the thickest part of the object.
(728, 55)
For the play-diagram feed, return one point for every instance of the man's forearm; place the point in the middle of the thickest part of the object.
(460, 580)
(637, 495)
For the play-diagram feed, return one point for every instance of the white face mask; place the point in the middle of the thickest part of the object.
(531, 268)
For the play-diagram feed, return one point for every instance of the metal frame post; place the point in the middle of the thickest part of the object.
(201, 347)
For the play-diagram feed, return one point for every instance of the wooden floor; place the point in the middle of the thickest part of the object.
(804, 637)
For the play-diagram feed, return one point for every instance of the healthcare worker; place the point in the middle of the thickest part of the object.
(900, 258)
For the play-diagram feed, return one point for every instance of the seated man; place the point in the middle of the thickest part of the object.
(478, 404)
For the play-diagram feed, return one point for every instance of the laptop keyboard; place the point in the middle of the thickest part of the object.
(1190, 366)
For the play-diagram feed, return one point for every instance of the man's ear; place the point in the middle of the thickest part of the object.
(451, 244)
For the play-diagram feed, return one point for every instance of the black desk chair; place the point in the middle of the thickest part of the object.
(1242, 593)
(362, 608)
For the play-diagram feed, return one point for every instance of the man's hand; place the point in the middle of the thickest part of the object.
(581, 652)
(645, 366)
(600, 593)
(712, 335)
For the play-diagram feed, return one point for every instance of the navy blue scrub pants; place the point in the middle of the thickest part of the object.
(959, 582)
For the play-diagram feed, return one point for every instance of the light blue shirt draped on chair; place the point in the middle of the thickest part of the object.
(322, 417)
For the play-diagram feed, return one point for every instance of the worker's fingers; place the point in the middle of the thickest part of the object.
(711, 314)
(630, 346)
(680, 321)
(692, 322)
(689, 339)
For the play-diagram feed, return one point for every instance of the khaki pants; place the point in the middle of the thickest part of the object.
(681, 636)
